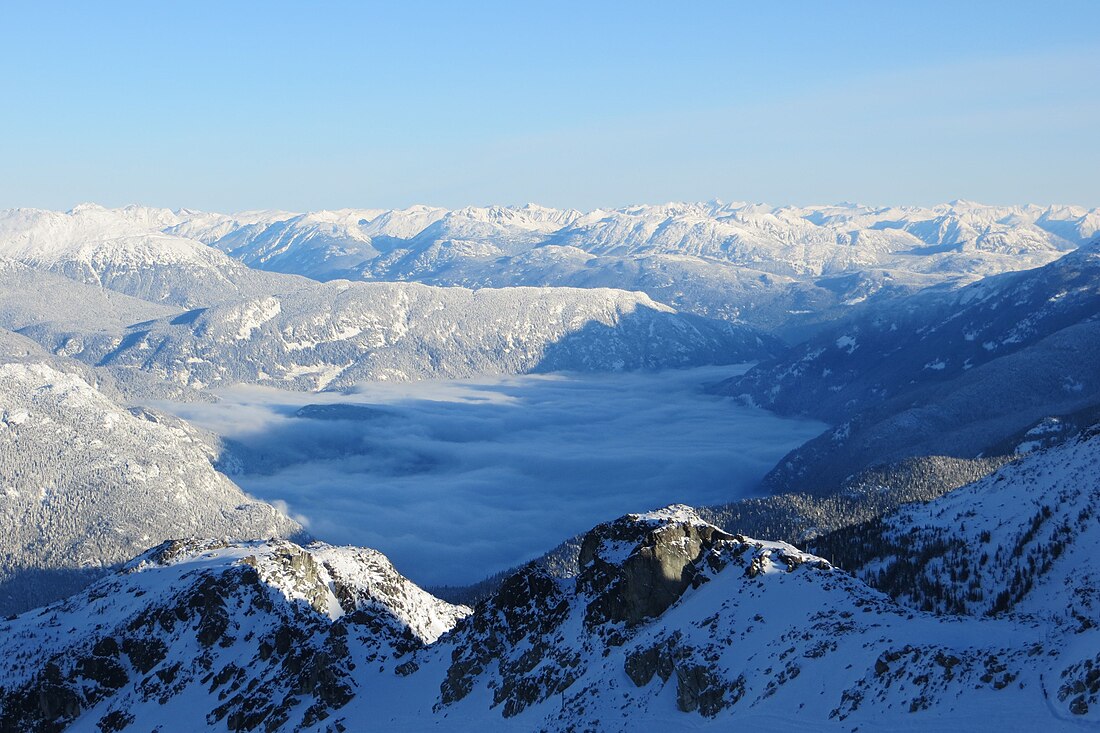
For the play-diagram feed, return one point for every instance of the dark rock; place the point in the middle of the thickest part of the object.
(531, 606)
(406, 668)
(698, 689)
(659, 566)
(106, 647)
(144, 653)
(114, 721)
(166, 552)
(642, 665)
(105, 671)
(56, 701)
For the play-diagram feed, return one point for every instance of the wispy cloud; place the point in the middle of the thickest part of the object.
(461, 479)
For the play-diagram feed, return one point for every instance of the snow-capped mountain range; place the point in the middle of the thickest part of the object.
(336, 334)
(792, 241)
(120, 290)
(670, 619)
(774, 267)
(949, 341)
(942, 372)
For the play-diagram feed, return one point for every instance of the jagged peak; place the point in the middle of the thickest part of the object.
(636, 567)
(334, 581)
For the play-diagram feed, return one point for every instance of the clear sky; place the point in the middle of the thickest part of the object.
(304, 105)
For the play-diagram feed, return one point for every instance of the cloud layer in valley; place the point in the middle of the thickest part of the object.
(456, 480)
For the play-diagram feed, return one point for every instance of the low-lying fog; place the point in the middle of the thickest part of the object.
(457, 480)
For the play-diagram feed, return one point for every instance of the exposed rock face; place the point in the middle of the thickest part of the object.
(267, 635)
(522, 643)
(633, 569)
(698, 687)
(636, 567)
(529, 608)
(292, 568)
(727, 624)
(671, 615)
(1080, 686)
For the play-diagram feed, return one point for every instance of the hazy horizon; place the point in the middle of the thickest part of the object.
(520, 204)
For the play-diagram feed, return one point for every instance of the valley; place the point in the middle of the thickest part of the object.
(564, 367)
(711, 465)
(457, 480)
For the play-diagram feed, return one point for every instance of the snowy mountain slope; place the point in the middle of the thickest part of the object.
(340, 333)
(29, 297)
(933, 336)
(1018, 540)
(977, 413)
(670, 614)
(64, 317)
(127, 251)
(780, 262)
(206, 635)
(706, 287)
(84, 484)
(16, 348)
(816, 247)
(801, 518)
(124, 387)
(929, 374)
(671, 623)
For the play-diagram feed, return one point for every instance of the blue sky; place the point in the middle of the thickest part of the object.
(236, 105)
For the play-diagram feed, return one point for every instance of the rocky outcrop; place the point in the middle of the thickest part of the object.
(638, 566)
(522, 642)
(529, 609)
(669, 616)
(698, 687)
(266, 634)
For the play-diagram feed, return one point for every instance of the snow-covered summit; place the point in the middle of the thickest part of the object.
(334, 581)
(736, 632)
(723, 248)
(199, 633)
(131, 251)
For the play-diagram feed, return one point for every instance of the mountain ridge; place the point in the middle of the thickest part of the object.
(88, 482)
(658, 249)
(670, 617)
(929, 373)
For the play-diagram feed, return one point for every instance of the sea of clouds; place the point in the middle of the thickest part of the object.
(457, 480)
